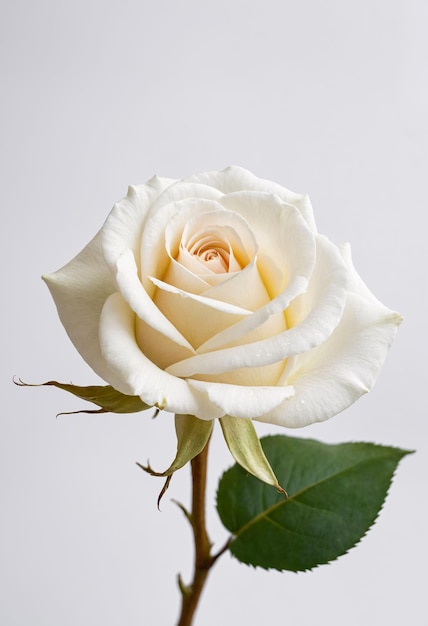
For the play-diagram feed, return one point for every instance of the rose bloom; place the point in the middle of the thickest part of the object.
(215, 295)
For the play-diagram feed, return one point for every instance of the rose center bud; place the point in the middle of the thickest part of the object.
(211, 251)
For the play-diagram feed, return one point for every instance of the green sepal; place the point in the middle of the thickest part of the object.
(244, 445)
(106, 397)
(335, 495)
(192, 437)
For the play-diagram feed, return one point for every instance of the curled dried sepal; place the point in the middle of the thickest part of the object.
(192, 436)
(245, 447)
(106, 397)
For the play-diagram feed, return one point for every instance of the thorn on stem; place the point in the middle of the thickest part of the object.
(184, 589)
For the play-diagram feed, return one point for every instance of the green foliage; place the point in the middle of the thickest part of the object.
(335, 494)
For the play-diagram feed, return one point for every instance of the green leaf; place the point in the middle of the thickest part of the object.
(335, 494)
(109, 399)
(245, 447)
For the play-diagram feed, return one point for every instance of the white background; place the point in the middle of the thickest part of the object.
(325, 97)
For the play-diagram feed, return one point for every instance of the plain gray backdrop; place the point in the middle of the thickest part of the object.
(326, 97)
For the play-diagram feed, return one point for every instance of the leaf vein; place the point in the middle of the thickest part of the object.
(294, 498)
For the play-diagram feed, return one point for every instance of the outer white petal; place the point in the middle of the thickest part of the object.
(236, 178)
(79, 290)
(329, 378)
(133, 373)
(123, 227)
(243, 401)
(183, 190)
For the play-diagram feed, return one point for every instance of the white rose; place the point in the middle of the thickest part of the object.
(215, 295)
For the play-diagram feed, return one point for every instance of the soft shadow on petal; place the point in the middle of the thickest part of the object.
(154, 254)
(240, 330)
(131, 372)
(247, 402)
(136, 296)
(218, 305)
(329, 378)
(230, 226)
(282, 234)
(195, 317)
(158, 348)
(236, 178)
(192, 217)
(262, 376)
(182, 190)
(123, 227)
(323, 305)
(243, 289)
(176, 274)
(79, 290)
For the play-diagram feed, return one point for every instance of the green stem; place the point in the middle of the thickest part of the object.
(204, 560)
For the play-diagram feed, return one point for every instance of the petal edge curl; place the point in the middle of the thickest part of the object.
(328, 379)
(79, 290)
(241, 400)
(132, 373)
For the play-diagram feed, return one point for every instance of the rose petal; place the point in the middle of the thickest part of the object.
(177, 274)
(329, 378)
(186, 310)
(182, 190)
(217, 305)
(262, 376)
(190, 218)
(323, 303)
(243, 401)
(79, 290)
(230, 226)
(245, 288)
(154, 255)
(282, 234)
(241, 329)
(159, 348)
(236, 178)
(136, 296)
(131, 372)
(122, 228)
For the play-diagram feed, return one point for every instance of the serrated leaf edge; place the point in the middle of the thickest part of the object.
(235, 536)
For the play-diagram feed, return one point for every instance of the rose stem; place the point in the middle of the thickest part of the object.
(204, 560)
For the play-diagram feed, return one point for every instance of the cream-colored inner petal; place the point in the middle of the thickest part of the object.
(211, 249)
(209, 244)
